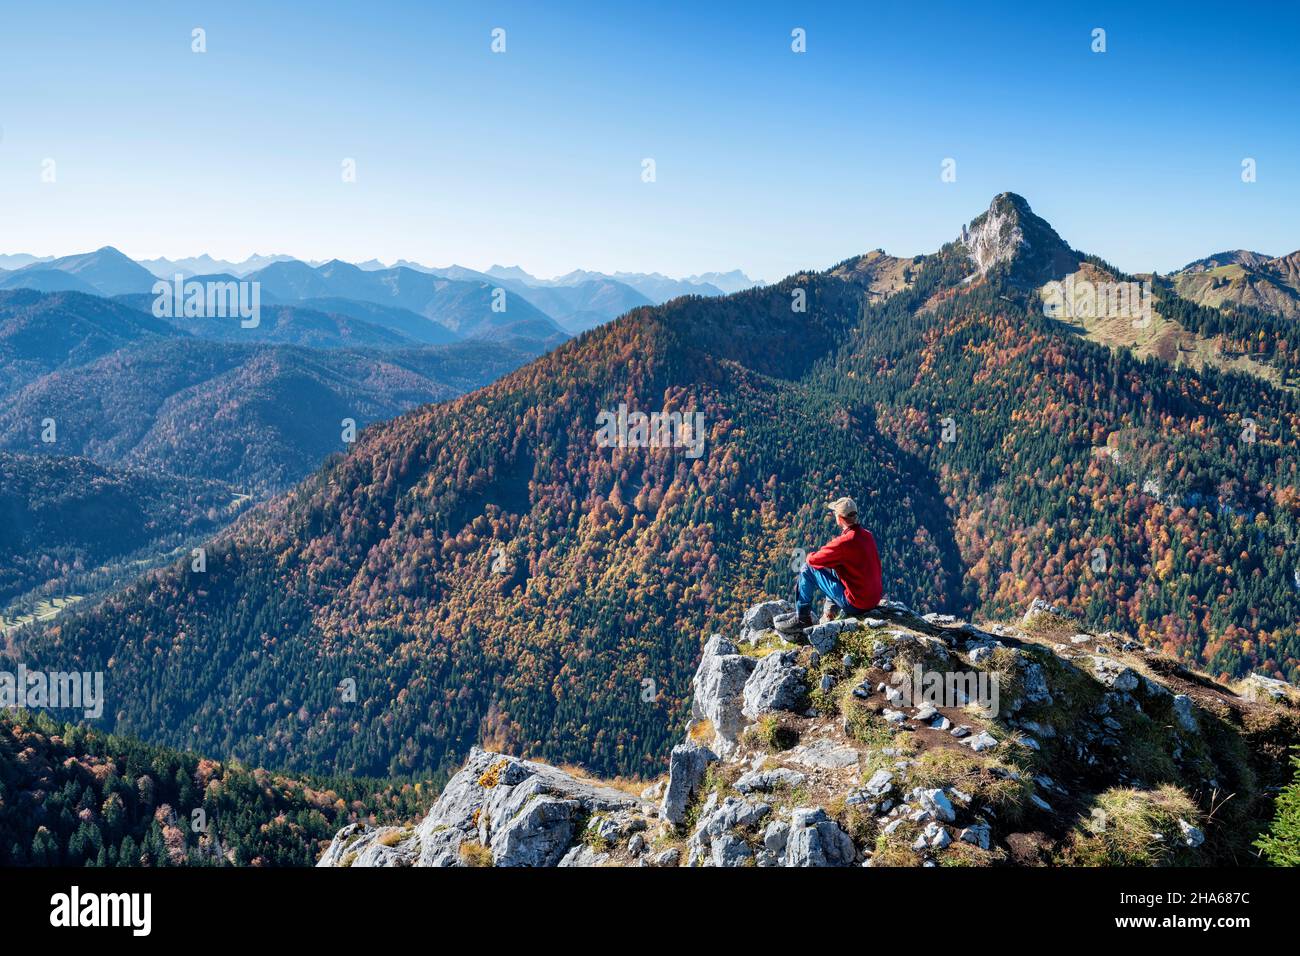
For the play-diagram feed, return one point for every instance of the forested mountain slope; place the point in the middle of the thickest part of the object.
(125, 436)
(77, 797)
(42, 333)
(60, 517)
(259, 416)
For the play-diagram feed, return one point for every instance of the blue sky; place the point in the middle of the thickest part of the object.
(766, 160)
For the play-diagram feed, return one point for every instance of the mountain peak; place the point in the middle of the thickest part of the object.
(510, 272)
(1234, 257)
(1010, 200)
(106, 271)
(1010, 233)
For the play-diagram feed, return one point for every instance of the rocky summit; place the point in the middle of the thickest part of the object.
(895, 740)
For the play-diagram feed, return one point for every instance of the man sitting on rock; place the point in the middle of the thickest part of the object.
(846, 570)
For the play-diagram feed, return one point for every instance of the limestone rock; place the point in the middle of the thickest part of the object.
(718, 683)
(981, 742)
(935, 801)
(1038, 608)
(1034, 682)
(825, 754)
(1192, 836)
(583, 855)
(669, 857)
(768, 780)
(1258, 687)
(823, 636)
(815, 839)
(717, 840)
(777, 683)
(978, 834)
(880, 784)
(1115, 675)
(523, 812)
(760, 617)
(686, 766)
(1185, 713)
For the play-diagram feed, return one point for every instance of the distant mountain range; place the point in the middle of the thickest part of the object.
(9, 262)
(547, 310)
(654, 286)
(206, 265)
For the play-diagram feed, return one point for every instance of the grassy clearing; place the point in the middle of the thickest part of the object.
(1129, 827)
(43, 611)
(867, 727)
(960, 854)
(766, 643)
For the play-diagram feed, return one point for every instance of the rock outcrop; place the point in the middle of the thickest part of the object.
(512, 812)
(1009, 234)
(686, 766)
(718, 684)
(777, 683)
(895, 740)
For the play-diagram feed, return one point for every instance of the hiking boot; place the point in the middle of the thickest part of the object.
(830, 612)
(794, 623)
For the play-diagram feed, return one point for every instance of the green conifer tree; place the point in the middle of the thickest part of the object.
(1282, 844)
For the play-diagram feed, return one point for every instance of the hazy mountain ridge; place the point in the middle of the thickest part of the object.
(106, 270)
(257, 415)
(46, 280)
(654, 286)
(575, 302)
(9, 262)
(206, 265)
(468, 309)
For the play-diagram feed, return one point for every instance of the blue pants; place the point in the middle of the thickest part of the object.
(824, 580)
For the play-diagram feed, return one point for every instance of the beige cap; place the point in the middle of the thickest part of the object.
(844, 507)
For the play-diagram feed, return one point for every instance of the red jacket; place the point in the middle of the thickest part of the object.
(854, 558)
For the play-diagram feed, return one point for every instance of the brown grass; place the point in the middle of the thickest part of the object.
(475, 854)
